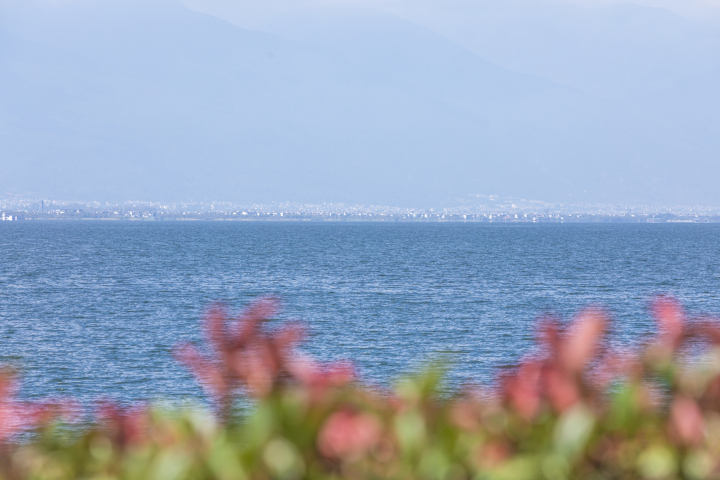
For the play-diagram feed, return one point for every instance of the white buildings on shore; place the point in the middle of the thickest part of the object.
(8, 217)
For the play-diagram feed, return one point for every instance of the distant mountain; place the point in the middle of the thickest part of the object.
(612, 49)
(150, 100)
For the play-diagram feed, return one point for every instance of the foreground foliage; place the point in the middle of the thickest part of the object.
(574, 409)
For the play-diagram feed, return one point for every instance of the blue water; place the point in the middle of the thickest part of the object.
(93, 309)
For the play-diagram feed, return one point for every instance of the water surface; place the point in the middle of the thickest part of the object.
(94, 308)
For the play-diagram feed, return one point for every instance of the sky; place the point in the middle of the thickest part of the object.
(245, 12)
(410, 103)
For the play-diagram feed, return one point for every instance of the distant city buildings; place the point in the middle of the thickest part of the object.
(491, 209)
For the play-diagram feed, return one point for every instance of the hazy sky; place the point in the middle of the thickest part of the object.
(402, 102)
(250, 12)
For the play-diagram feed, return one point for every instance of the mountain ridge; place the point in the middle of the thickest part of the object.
(163, 103)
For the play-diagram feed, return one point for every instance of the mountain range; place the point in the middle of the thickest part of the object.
(116, 100)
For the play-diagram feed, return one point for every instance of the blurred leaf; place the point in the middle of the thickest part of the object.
(656, 462)
(573, 430)
(170, 464)
(410, 428)
(283, 459)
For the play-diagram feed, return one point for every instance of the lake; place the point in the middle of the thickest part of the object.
(93, 309)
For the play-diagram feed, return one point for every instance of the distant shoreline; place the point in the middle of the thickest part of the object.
(383, 219)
